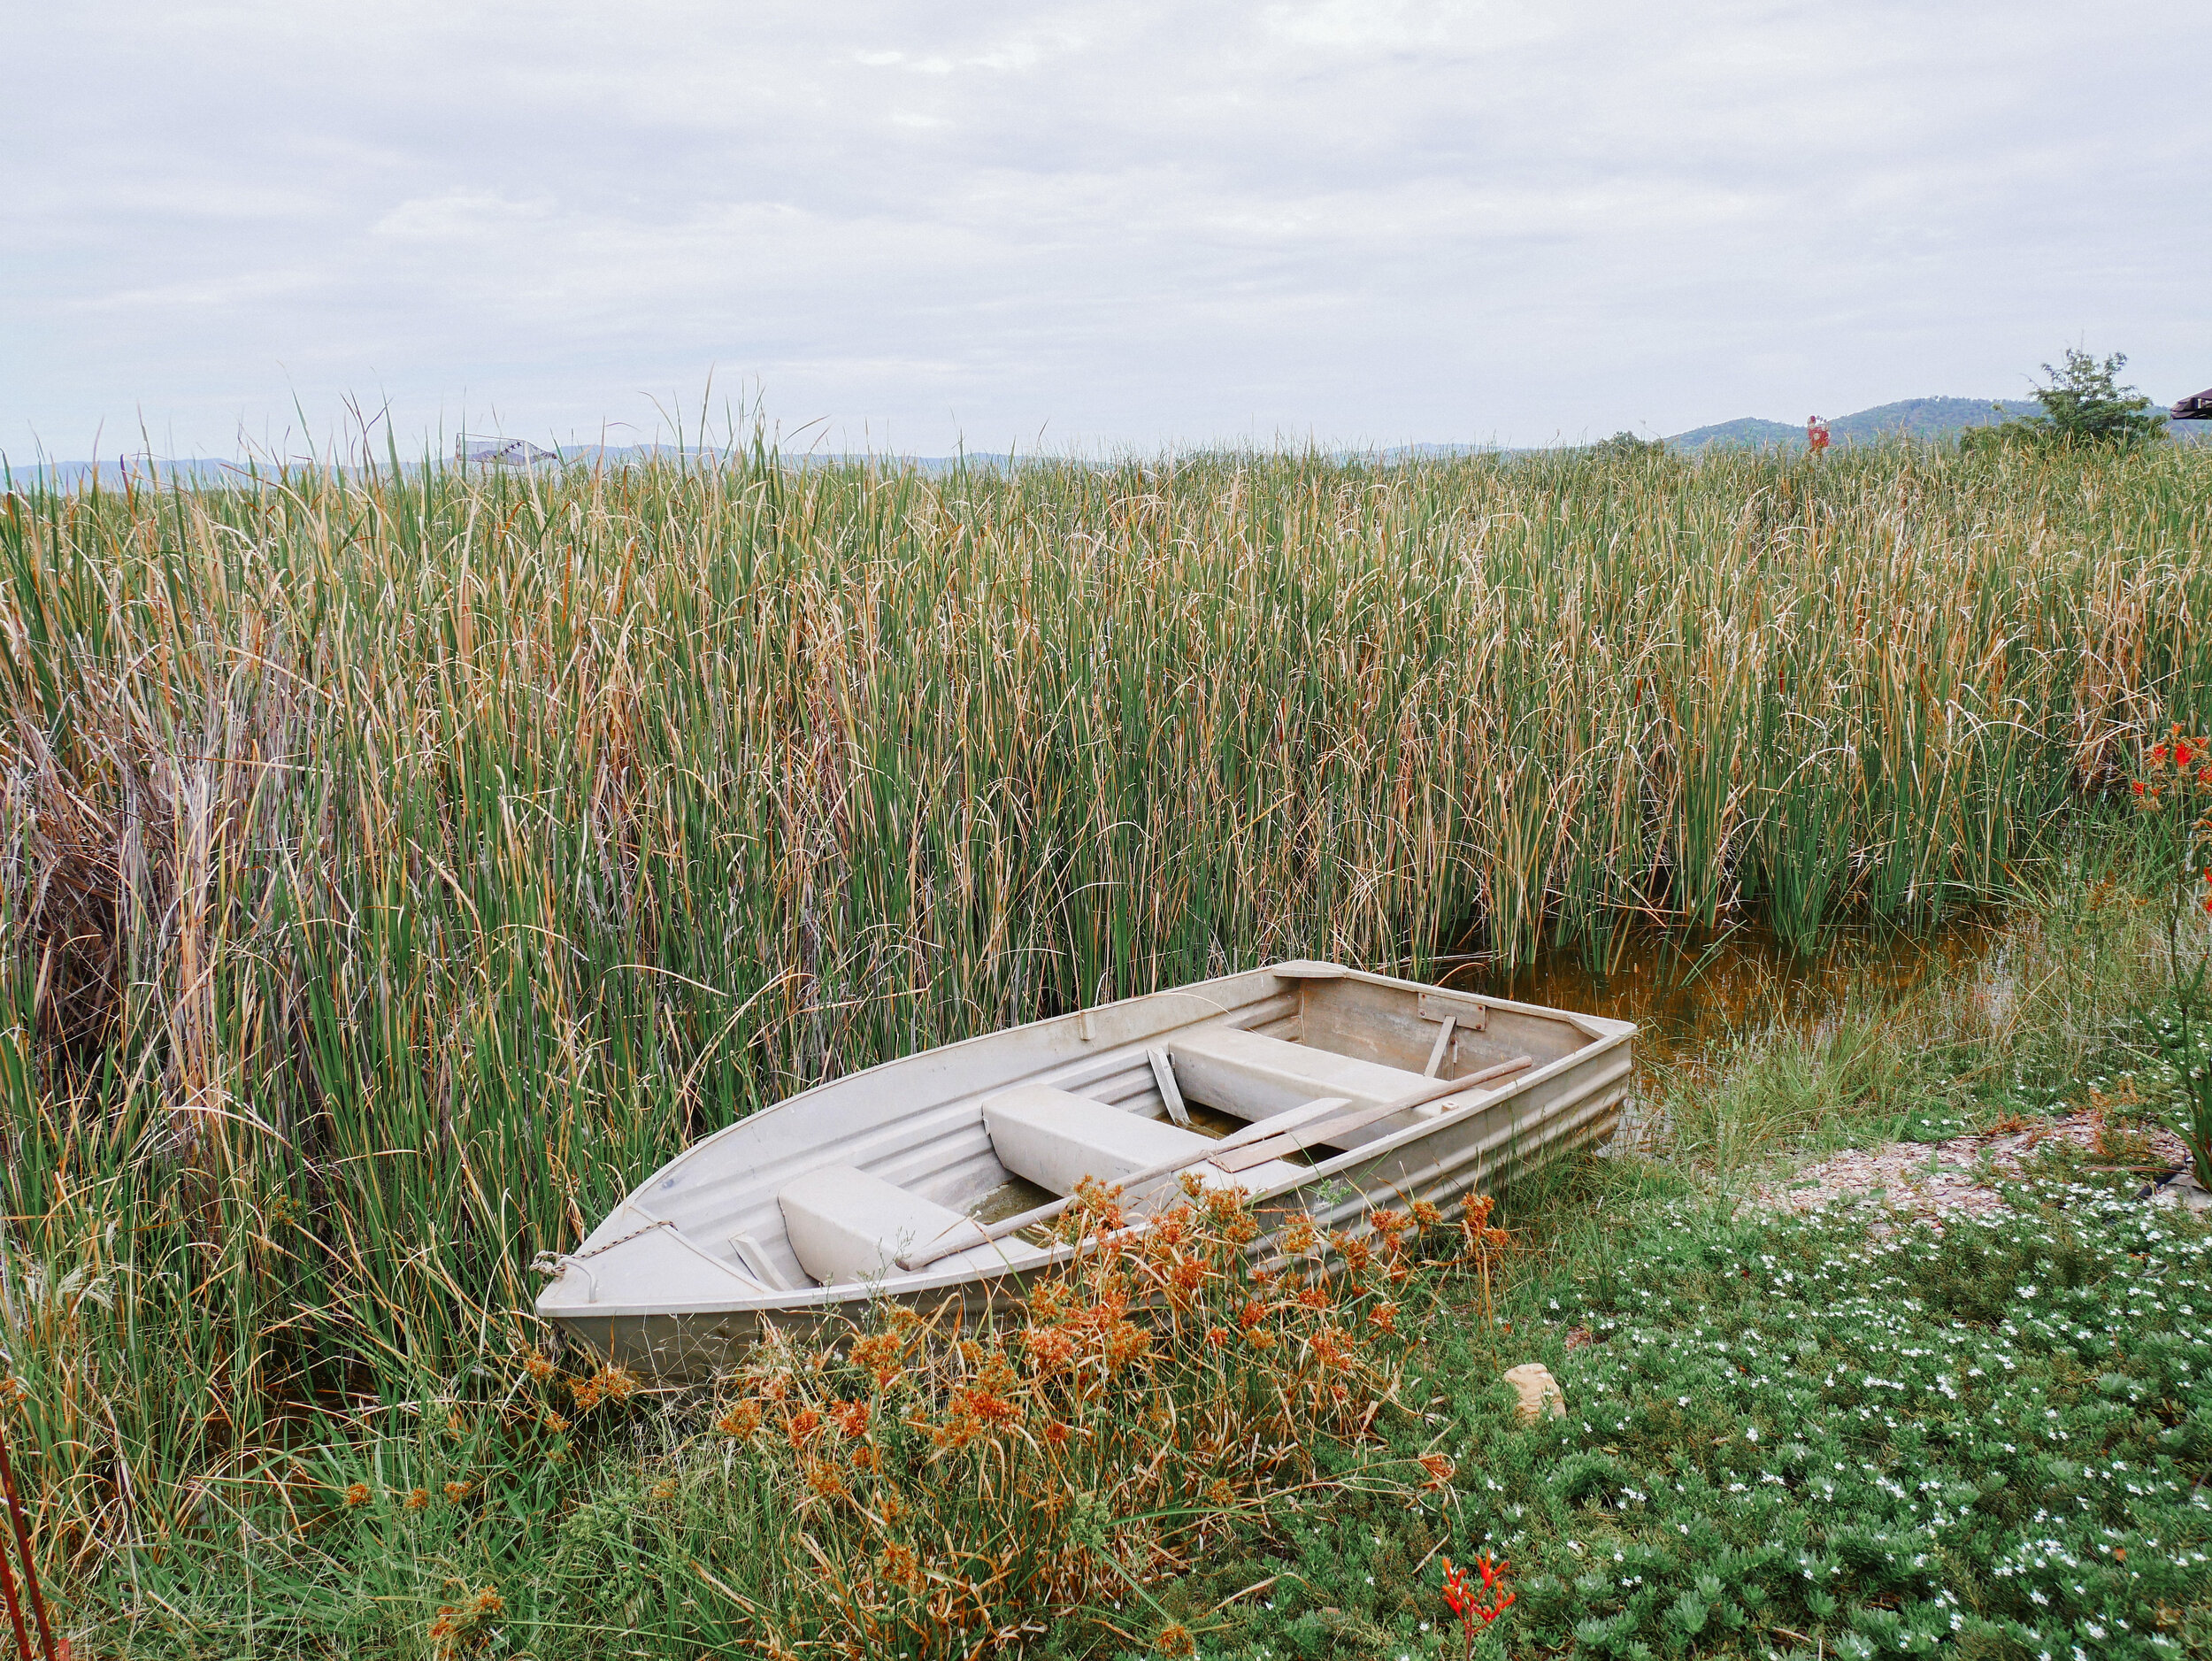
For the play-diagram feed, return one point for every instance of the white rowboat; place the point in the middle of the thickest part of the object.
(1316, 1089)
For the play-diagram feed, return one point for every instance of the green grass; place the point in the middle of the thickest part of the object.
(396, 867)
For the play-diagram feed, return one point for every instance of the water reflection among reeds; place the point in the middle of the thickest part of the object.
(1688, 989)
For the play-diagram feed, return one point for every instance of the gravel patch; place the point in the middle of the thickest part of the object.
(1955, 1177)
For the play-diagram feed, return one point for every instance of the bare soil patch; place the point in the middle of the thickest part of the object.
(1958, 1177)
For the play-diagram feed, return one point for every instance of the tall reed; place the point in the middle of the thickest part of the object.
(396, 866)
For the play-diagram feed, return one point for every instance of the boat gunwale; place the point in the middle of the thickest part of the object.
(1602, 1033)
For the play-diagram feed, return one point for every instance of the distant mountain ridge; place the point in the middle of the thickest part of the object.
(1924, 420)
(1928, 420)
(197, 470)
(1920, 421)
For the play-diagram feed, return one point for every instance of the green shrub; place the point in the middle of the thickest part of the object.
(2084, 408)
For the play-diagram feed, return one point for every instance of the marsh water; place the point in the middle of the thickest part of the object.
(1686, 992)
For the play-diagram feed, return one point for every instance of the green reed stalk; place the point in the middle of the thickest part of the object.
(397, 867)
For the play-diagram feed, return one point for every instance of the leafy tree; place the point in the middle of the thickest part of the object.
(1624, 445)
(2085, 407)
(2083, 404)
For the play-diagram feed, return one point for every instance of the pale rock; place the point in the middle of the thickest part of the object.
(1538, 1391)
(2183, 1189)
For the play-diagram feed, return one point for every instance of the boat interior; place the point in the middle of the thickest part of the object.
(833, 1188)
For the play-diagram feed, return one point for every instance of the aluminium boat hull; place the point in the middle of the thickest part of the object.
(694, 1268)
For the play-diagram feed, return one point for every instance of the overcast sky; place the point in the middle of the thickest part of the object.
(1118, 226)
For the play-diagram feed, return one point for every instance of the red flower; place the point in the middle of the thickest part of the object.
(2138, 787)
(2158, 755)
(1456, 1596)
(1470, 1606)
(2182, 752)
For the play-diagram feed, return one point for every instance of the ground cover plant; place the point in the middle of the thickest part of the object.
(1797, 1436)
(398, 866)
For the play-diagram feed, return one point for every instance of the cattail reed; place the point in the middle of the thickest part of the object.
(398, 866)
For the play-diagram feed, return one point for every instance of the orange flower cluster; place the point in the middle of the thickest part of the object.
(1483, 1238)
(1096, 1214)
(465, 1628)
(609, 1384)
(901, 1566)
(882, 1354)
(1228, 1219)
(2185, 756)
(1107, 1431)
(1477, 1609)
(355, 1494)
(980, 1407)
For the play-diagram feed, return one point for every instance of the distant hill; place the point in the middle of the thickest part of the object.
(196, 470)
(1745, 429)
(1923, 420)
(76, 476)
(1927, 420)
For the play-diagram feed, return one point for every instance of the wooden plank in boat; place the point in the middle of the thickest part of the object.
(1471, 1013)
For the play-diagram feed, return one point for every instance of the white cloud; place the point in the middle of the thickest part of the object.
(461, 215)
(1129, 224)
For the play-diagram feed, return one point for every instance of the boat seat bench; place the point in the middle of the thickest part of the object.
(1056, 1139)
(1253, 1076)
(848, 1227)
